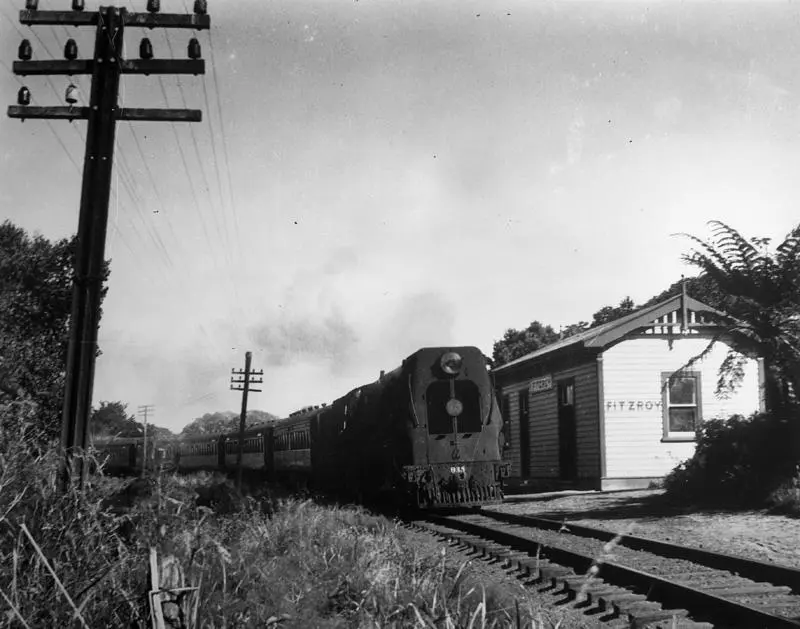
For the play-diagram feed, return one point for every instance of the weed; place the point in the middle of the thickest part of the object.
(83, 558)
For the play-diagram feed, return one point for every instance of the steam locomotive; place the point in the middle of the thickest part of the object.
(427, 435)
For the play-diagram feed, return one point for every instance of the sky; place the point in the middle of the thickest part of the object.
(375, 176)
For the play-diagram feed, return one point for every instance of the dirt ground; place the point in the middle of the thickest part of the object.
(754, 534)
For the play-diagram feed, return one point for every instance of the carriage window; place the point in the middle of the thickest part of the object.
(681, 403)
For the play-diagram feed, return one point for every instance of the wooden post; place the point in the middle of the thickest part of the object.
(106, 66)
(247, 358)
(91, 241)
(246, 381)
(146, 410)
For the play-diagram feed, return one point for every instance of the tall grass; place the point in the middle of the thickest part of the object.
(81, 559)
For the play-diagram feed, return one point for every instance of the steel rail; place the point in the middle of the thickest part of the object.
(758, 570)
(699, 603)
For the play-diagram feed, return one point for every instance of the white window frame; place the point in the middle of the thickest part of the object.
(675, 435)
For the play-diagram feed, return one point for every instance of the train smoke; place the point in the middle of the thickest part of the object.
(331, 339)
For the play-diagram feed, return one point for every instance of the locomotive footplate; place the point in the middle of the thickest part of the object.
(456, 484)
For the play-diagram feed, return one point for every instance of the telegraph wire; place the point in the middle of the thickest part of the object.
(221, 119)
(224, 231)
(224, 135)
(122, 167)
(128, 183)
(200, 214)
(162, 205)
(186, 171)
(221, 188)
(124, 175)
(134, 202)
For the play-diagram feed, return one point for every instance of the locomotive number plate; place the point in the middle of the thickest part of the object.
(457, 469)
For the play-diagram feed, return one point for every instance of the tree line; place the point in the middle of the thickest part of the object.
(112, 419)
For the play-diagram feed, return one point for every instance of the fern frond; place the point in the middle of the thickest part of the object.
(787, 259)
(734, 246)
(730, 374)
(707, 256)
(697, 357)
(790, 247)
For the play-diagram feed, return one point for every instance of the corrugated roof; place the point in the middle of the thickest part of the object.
(607, 333)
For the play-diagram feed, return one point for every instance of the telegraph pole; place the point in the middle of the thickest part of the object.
(246, 378)
(144, 411)
(102, 114)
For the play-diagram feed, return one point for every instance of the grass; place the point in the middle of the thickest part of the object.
(82, 559)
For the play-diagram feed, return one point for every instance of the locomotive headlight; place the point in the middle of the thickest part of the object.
(454, 407)
(450, 363)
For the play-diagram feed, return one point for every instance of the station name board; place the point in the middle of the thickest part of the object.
(539, 385)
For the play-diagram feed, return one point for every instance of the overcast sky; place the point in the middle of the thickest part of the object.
(387, 175)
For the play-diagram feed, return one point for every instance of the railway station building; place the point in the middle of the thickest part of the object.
(616, 407)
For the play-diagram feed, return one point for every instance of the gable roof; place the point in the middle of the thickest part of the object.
(608, 333)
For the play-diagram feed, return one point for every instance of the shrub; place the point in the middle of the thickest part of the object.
(786, 497)
(738, 462)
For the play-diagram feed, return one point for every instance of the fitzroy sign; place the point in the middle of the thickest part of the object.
(539, 385)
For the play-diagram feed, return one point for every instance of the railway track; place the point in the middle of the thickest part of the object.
(631, 581)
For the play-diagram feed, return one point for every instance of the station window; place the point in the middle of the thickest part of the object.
(682, 405)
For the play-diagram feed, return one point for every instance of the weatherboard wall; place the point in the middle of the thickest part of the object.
(635, 447)
(543, 422)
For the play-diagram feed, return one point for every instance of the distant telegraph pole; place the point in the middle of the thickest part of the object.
(106, 66)
(245, 379)
(143, 412)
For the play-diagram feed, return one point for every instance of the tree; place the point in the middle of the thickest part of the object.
(518, 343)
(702, 288)
(256, 417)
(573, 329)
(760, 289)
(225, 421)
(209, 424)
(611, 313)
(112, 420)
(35, 305)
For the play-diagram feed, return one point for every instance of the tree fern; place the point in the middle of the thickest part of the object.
(762, 294)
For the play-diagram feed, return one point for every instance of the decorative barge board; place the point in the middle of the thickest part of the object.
(609, 409)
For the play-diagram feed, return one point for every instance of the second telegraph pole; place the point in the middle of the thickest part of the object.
(246, 378)
(144, 411)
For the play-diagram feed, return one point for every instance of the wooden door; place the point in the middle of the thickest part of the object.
(567, 431)
(524, 435)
